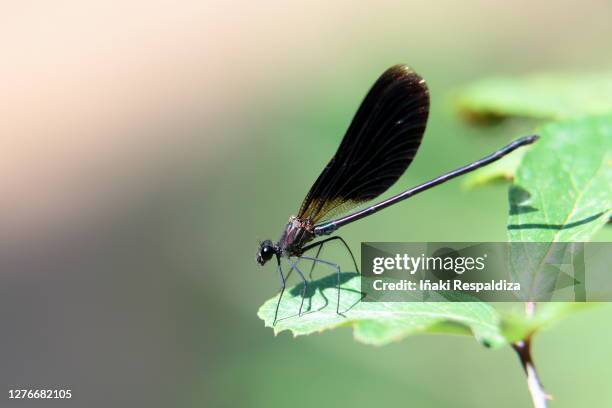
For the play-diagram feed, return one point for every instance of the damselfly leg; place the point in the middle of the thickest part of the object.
(282, 289)
(337, 268)
(320, 244)
(294, 266)
(284, 285)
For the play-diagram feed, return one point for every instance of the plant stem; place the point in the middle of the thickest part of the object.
(523, 349)
(538, 394)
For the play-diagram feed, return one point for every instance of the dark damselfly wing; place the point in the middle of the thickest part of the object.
(377, 148)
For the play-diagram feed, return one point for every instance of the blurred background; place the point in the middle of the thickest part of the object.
(148, 145)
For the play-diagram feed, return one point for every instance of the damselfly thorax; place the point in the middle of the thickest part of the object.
(296, 235)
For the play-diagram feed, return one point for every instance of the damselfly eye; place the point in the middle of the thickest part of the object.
(266, 250)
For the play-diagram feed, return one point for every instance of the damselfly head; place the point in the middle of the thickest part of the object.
(265, 252)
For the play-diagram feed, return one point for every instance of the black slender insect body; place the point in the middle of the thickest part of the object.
(378, 147)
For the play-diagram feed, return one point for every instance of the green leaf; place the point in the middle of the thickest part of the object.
(377, 323)
(541, 96)
(501, 170)
(562, 191)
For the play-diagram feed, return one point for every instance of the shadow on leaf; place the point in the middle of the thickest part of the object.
(518, 198)
(320, 285)
(556, 226)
